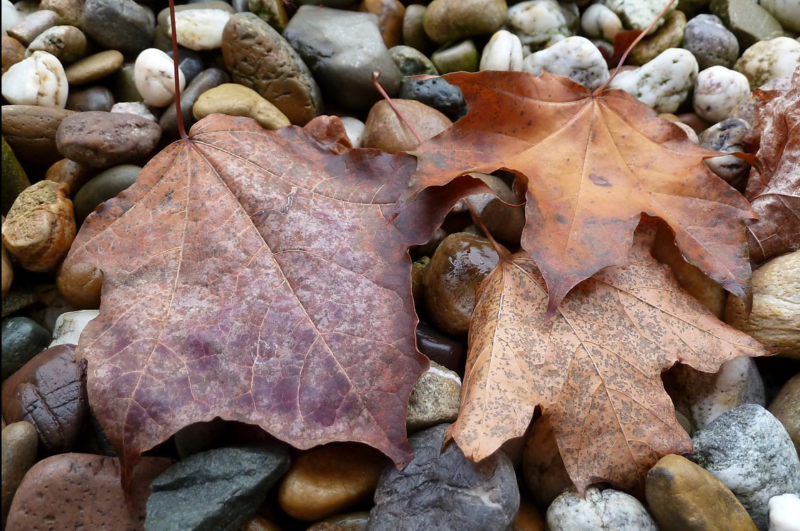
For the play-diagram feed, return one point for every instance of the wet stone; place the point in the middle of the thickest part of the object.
(96, 98)
(436, 93)
(23, 339)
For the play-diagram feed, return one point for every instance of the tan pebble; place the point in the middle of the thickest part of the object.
(259, 523)
(8, 269)
(385, 131)
(390, 19)
(528, 518)
(71, 173)
(237, 100)
(94, 67)
(786, 408)
(80, 285)
(20, 444)
(13, 52)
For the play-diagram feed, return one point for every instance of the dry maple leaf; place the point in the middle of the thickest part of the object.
(252, 275)
(775, 190)
(594, 370)
(593, 165)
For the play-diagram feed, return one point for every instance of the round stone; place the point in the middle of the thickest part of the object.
(200, 29)
(574, 57)
(236, 100)
(607, 509)
(354, 129)
(101, 188)
(390, 19)
(30, 130)
(451, 20)
(437, 93)
(120, 25)
(94, 67)
(435, 398)
(38, 80)
(154, 75)
(413, 33)
(19, 455)
(663, 83)
(96, 98)
(457, 57)
(65, 43)
(22, 339)
(710, 42)
(717, 91)
(386, 132)
(72, 174)
(786, 408)
(538, 23)
(598, 21)
(13, 52)
(768, 60)
(728, 136)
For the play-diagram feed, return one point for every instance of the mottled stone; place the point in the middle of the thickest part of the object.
(538, 24)
(575, 57)
(15, 180)
(101, 188)
(22, 339)
(786, 408)
(457, 57)
(30, 130)
(607, 509)
(667, 36)
(502, 52)
(139, 108)
(638, 14)
(436, 93)
(413, 32)
(663, 83)
(728, 136)
(65, 43)
(95, 98)
(390, 15)
(120, 25)
(435, 398)
(717, 91)
(19, 455)
(13, 52)
(33, 25)
(68, 11)
(270, 11)
(386, 132)
(747, 20)
(768, 60)
(237, 100)
(38, 80)
(94, 67)
(69, 326)
(450, 20)
(411, 62)
(202, 84)
(710, 42)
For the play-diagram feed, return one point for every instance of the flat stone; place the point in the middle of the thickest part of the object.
(120, 25)
(768, 60)
(19, 455)
(667, 36)
(747, 20)
(436, 93)
(236, 100)
(69, 11)
(30, 130)
(386, 132)
(65, 43)
(101, 188)
(95, 98)
(435, 398)
(607, 509)
(33, 25)
(205, 81)
(94, 67)
(456, 57)
(82, 491)
(787, 12)
(786, 408)
(451, 20)
(23, 339)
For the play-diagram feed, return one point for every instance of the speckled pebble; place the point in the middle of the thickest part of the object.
(663, 83)
(767, 60)
(710, 42)
(38, 80)
(717, 92)
(575, 57)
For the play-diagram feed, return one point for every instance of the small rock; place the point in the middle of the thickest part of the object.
(768, 60)
(237, 100)
(354, 129)
(574, 57)
(65, 43)
(728, 136)
(418, 269)
(528, 518)
(638, 14)
(750, 452)
(94, 67)
(502, 52)
(784, 512)
(82, 491)
(15, 180)
(49, 391)
(154, 74)
(8, 271)
(200, 29)
(19, 455)
(120, 25)
(68, 11)
(260, 59)
(10, 16)
(684, 497)
(270, 11)
(411, 62)
(435, 398)
(747, 20)
(33, 25)
(124, 84)
(204, 82)
(349, 521)
(440, 348)
(80, 285)
(13, 52)
(436, 93)
(40, 226)
(343, 49)
(214, 490)
(189, 62)
(786, 408)
(710, 42)
(538, 23)
(386, 132)
(607, 509)
(38, 80)
(18, 299)
(69, 326)
(776, 298)
(747, 107)
(22, 339)
(598, 21)
(443, 489)
(72, 174)
(413, 32)
(667, 36)
(139, 108)
(30, 130)
(390, 15)
(101, 188)
(259, 523)
(329, 479)
(717, 91)
(451, 20)
(542, 466)
(95, 98)
(458, 57)
(663, 83)
(505, 223)
(787, 12)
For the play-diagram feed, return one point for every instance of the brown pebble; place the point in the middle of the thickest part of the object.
(13, 52)
(30, 130)
(19, 455)
(8, 270)
(72, 174)
(390, 19)
(80, 285)
(33, 25)
(94, 67)
(385, 131)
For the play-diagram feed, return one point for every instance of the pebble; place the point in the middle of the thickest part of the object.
(663, 83)
(121, 25)
(258, 523)
(442, 489)
(390, 15)
(505, 223)
(49, 391)
(750, 452)
(69, 326)
(70, 173)
(8, 271)
(101, 188)
(329, 479)
(717, 91)
(542, 467)
(10, 16)
(65, 43)
(786, 408)
(747, 20)
(154, 76)
(787, 12)
(104, 139)
(776, 298)
(440, 348)
(205, 81)
(638, 14)
(670, 35)
(30, 130)
(607, 509)
(411, 62)
(386, 132)
(343, 49)
(437, 93)
(94, 98)
(259, 58)
(68, 11)
(33, 25)
(19, 455)
(38, 80)
(538, 23)
(451, 20)
(200, 29)
(216, 489)
(458, 266)
(682, 496)
(92, 485)
(768, 60)
(40, 226)
(22, 339)
(574, 57)
(94, 67)
(124, 84)
(457, 57)
(354, 129)
(270, 11)
(139, 108)
(13, 52)
(435, 398)
(599, 22)
(237, 100)
(502, 52)
(15, 180)
(189, 62)
(349, 521)
(164, 25)
(728, 136)
(784, 512)
(710, 42)
(413, 32)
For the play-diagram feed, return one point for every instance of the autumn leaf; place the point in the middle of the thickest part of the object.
(594, 369)
(593, 165)
(252, 275)
(775, 190)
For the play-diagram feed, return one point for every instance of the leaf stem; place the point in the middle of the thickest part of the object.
(176, 71)
(641, 36)
(375, 75)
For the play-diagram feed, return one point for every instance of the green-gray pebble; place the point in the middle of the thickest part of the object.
(14, 178)
(102, 187)
(412, 62)
(23, 338)
(747, 20)
(458, 57)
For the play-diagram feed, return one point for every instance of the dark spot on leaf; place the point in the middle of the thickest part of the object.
(599, 180)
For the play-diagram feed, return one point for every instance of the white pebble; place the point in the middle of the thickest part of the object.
(11, 16)
(598, 21)
(502, 52)
(663, 83)
(574, 57)
(787, 12)
(537, 23)
(784, 513)
(767, 60)
(200, 29)
(354, 129)
(138, 108)
(689, 132)
(69, 326)
(37, 80)
(717, 91)
(154, 76)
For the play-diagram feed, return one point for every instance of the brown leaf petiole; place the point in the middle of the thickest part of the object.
(176, 71)
(375, 75)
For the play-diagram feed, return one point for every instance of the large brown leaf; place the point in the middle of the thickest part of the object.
(252, 275)
(593, 165)
(775, 190)
(594, 369)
